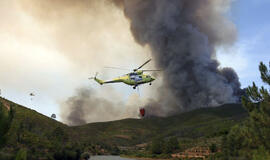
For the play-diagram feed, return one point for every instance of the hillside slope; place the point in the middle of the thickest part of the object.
(43, 136)
(30, 129)
(194, 124)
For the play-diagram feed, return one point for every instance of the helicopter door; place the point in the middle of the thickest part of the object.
(133, 77)
(138, 78)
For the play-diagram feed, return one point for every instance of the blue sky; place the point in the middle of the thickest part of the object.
(251, 18)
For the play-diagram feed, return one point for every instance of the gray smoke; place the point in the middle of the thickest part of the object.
(183, 35)
(76, 110)
(85, 107)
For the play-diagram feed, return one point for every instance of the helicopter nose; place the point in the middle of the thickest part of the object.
(152, 78)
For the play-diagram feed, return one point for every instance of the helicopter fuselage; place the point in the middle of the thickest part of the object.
(133, 79)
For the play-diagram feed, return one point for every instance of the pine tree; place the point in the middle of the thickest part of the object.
(255, 95)
(250, 140)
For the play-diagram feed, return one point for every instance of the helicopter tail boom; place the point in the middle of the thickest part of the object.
(101, 82)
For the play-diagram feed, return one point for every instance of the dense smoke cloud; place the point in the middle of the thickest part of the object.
(85, 103)
(88, 106)
(182, 35)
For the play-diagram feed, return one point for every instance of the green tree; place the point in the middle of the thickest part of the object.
(250, 140)
(85, 156)
(171, 145)
(5, 121)
(157, 146)
(22, 154)
(261, 154)
(213, 148)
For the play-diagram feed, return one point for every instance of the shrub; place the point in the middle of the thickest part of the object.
(22, 154)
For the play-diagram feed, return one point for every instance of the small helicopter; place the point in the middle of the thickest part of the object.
(31, 95)
(134, 78)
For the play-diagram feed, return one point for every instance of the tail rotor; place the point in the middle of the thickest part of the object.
(94, 76)
(101, 82)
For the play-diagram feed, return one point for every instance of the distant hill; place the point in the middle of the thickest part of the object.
(194, 124)
(40, 134)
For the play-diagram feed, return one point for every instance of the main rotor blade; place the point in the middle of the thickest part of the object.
(150, 70)
(143, 64)
(118, 68)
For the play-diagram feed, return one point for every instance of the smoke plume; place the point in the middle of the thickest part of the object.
(87, 106)
(183, 35)
(84, 104)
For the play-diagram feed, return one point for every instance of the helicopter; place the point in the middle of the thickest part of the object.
(135, 78)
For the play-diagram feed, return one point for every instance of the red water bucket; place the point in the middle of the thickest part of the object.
(142, 112)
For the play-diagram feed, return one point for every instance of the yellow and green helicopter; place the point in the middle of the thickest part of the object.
(135, 78)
